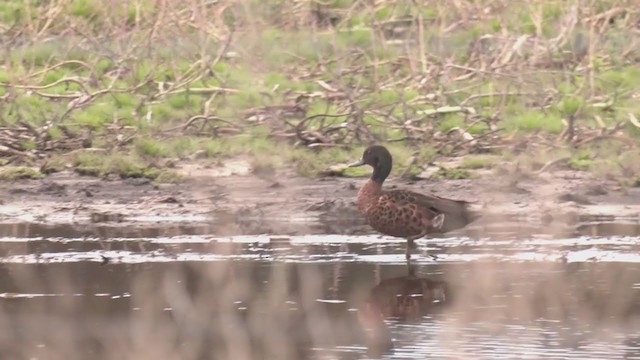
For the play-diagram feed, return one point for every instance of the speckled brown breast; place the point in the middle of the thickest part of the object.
(400, 220)
(368, 196)
(395, 213)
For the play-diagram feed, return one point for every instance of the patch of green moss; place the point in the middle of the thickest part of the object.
(310, 163)
(131, 169)
(357, 172)
(89, 164)
(12, 173)
(122, 165)
(478, 162)
(452, 174)
(582, 161)
(169, 177)
(54, 164)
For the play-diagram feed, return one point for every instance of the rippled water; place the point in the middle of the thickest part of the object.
(177, 292)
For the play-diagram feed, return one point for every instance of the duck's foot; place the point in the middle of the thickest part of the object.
(407, 254)
(411, 245)
(432, 256)
(410, 267)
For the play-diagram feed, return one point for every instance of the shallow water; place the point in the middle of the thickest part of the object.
(181, 291)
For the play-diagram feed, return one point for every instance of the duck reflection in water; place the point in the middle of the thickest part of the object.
(406, 299)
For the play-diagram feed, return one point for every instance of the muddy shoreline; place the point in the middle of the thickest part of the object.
(241, 202)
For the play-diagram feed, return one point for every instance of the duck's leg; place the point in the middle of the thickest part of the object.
(407, 254)
(408, 257)
(412, 245)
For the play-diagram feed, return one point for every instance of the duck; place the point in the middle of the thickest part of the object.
(404, 213)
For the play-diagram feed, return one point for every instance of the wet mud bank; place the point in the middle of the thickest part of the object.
(228, 203)
(248, 204)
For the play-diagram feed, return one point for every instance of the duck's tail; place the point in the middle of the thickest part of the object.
(473, 215)
(461, 218)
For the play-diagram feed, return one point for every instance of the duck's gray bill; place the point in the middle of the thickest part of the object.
(357, 163)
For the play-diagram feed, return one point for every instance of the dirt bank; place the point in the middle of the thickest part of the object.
(233, 200)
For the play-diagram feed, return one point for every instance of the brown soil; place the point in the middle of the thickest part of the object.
(235, 200)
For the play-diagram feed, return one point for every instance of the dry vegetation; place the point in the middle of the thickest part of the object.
(293, 83)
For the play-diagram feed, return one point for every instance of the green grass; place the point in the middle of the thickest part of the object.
(149, 147)
(87, 9)
(534, 121)
(570, 105)
(451, 121)
(367, 63)
(619, 80)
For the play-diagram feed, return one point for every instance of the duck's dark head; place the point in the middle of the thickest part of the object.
(379, 158)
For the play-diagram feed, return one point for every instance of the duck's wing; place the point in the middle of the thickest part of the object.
(457, 213)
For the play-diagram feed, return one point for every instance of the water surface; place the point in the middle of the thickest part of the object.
(182, 291)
